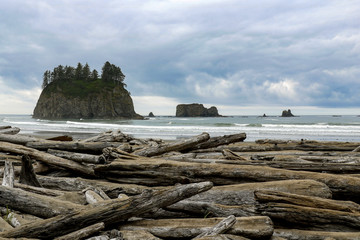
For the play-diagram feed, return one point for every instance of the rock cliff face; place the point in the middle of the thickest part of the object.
(196, 110)
(100, 104)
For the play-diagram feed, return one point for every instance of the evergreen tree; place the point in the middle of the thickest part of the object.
(94, 75)
(110, 72)
(78, 71)
(46, 79)
(86, 72)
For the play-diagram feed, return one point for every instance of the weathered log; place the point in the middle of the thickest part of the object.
(221, 227)
(8, 179)
(220, 140)
(79, 184)
(4, 225)
(295, 234)
(78, 157)
(175, 146)
(42, 144)
(138, 235)
(221, 174)
(82, 233)
(47, 158)
(18, 139)
(27, 174)
(258, 227)
(310, 218)
(114, 212)
(110, 136)
(224, 237)
(89, 147)
(307, 201)
(232, 156)
(34, 204)
(92, 197)
(240, 200)
(10, 130)
(321, 146)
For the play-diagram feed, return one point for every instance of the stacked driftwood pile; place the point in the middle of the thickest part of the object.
(113, 186)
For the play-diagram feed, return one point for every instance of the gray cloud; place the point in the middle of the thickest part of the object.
(226, 52)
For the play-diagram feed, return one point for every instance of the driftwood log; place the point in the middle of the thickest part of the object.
(46, 158)
(176, 146)
(114, 212)
(149, 170)
(257, 227)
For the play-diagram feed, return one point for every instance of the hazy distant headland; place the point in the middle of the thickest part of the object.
(74, 93)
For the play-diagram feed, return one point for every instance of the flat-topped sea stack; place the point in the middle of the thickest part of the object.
(287, 113)
(196, 110)
(74, 93)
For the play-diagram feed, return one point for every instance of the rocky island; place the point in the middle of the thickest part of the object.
(287, 113)
(196, 110)
(73, 93)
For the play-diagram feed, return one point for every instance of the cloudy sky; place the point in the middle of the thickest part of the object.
(245, 57)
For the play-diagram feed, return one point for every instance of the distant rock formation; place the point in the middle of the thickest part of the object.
(71, 97)
(196, 110)
(151, 114)
(287, 113)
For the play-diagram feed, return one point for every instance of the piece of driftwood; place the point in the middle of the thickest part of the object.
(232, 156)
(79, 184)
(4, 225)
(221, 227)
(220, 140)
(27, 174)
(138, 235)
(310, 218)
(89, 147)
(8, 179)
(47, 158)
(10, 130)
(295, 234)
(221, 174)
(115, 211)
(92, 197)
(307, 201)
(82, 233)
(257, 227)
(18, 139)
(239, 199)
(110, 136)
(78, 157)
(175, 146)
(34, 204)
(225, 237)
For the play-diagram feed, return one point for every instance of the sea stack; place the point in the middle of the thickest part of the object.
(287, 113)
(75, 93)
(196, 110)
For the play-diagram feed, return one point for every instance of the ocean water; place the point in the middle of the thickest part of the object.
(321, 127)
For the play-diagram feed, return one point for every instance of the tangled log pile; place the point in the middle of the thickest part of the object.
(114, 186)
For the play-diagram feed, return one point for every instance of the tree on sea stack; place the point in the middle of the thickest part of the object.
(73, 93)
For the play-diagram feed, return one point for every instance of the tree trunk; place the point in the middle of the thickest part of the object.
(295, 234)
(221, 174)
(82, 233)
(27, 174)
(223, 226)
(47, 158)
(78, 157)
(8, 179)
(114, 212)
(258, 227)
(176, 146)
(221, 140)
(35, 204)
(10, 130)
